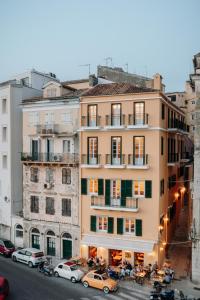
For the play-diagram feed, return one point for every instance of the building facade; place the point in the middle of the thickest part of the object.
(50, 171)
(131, 174)
(12, 92)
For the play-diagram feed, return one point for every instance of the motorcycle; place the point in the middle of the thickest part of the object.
(162, 295)
(45, 268)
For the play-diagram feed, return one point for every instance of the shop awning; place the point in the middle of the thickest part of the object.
(118, 243)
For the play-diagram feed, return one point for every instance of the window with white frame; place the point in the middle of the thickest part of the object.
(4, 161)
(19, 231)
(129, 226)
(93, 186)
(34, 174)
(66, 118)
(66, 176)
(138, 188)
(49, 175)
(66, 146)
(4, 133)
(34, 118)
(51, 92)
(116, 189)
(49, 118)
(102, 223)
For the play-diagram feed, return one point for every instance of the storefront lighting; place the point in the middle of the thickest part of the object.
(166, 219)
(161, 248)
(183, 189)
(176, 195)
(164, 243)
(160, 227)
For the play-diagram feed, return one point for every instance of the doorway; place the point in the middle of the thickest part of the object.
(115, 257)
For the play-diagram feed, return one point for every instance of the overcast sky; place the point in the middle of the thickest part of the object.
(59, 36)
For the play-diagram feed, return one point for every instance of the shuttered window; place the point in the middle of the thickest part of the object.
(110, 224)
(83, 186)
(138, 227)
(107, 196)
(148, 188)
(100, 187)
(120, 225)
(93, 223)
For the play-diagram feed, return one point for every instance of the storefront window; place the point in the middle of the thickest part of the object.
(139, 258)
(138, 188)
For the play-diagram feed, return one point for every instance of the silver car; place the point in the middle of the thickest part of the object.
(30, 256)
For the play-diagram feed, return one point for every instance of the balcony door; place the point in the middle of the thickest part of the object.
(115, 192)
(116, 115)
(92, 150)
(49, 149)
(139, 113)
(35, 149)
(92, 115)
(116, 150)
(138, 148)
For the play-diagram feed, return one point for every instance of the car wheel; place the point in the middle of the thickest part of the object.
(85, 284)
(73, 280)
(106, 290)
(30, 264)
(14, 258)
(56, 274)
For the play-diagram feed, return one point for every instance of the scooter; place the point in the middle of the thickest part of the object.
(45, 269)
(162, 295)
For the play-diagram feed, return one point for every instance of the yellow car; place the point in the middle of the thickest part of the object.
(99, 280)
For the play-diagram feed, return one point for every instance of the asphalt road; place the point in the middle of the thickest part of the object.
(28, 284)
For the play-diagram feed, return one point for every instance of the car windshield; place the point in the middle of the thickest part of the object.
(8, 244)
(105, 276)
(73, 268)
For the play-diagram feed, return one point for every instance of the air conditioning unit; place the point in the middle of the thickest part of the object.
(48, 185)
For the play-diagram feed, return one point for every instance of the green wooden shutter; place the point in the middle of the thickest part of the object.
(100, 187)
(128, 188)
(93, 220)
(148, 188)
(120, 226)
(138, 227)
(123, 193)
(107, 196)
(110, 224)
(83, 186)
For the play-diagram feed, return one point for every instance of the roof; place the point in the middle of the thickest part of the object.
(75, 81)
(69, 263)
(115, 88)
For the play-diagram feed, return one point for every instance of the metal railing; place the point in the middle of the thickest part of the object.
(173, 157)
(47, 129)
(90, 160)
(138, 119)
(50, 157)
(115, 120)
(174, 123)
(138, 161)
(87, 121)
(98, 201)
(111, 160)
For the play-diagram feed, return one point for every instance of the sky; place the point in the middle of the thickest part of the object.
(60, 36)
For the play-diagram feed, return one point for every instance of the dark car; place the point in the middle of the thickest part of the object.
(4, 288)
(6, 247)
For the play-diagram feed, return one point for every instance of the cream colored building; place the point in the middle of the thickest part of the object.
(50, 171)
(131, 173)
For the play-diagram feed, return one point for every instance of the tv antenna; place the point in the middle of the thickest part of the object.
(86, 65)
(126, 65)
(108, 59)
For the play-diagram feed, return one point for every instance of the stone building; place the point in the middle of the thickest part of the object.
(50, 171)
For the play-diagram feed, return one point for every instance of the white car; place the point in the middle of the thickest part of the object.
(30, 256)
(68, 270)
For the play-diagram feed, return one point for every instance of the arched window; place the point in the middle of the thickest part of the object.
(50, 232)
(35, 230)
(66, 235)
(35, 238)
(66, 176)
(19, 231)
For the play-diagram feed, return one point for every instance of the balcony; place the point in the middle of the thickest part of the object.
(98, 202)
(115, 121)
(47, 129)
(186, 157)
(173, 158)
(117, 162)
(137, 121)
(89, 161)
(89, 123)
(175, 125)
(139, 163)
(61, 158)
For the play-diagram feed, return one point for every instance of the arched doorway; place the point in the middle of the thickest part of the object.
(35, 238)
(51, 243)
(66, 245)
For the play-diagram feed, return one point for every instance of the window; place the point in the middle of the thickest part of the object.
(138, 188)
(162, 187)
(163, 111)
(129, 226)
(116, 115)
(93, 150)
(34, 204)
(92, 115)
(4, 106)
(67, 118)
(34, 174)
(66, 207)
(4, 134)
(116, 189)
(19, 231)
(138, 148)
(139, 113)
(193, 102)
(34, 118)
(25, 81)
(66, 176)
(66, 146)
(162, 145)
(49, 175)
(93, 186)
(102, 223)
(50, 206)
(4, 161)
(51, 92)
(116, 150)
(49, 118)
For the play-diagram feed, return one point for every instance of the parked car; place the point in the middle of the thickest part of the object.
(6, 247)
(30, 256)
(68, 270)
(100, 280)
(4, 288)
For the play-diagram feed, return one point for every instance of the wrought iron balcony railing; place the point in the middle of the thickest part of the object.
(138, 119)
(68, 158)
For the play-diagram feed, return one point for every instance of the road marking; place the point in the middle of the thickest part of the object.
(113, 297)
(99, 297)
(140, 296)
(127, 296)
(140, 292)
(85, 298)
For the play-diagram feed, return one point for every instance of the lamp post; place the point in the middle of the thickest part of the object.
(166, 219)
(183, 189)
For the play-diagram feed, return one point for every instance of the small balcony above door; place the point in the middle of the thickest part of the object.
(115, 121)
(90, 123)
(138, 120)
(115, 162)
(45, 130)
(138, 162)
(90, 161)
(98, 202)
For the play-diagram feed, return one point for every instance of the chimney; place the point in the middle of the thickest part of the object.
(157, 82)
(93, 80)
